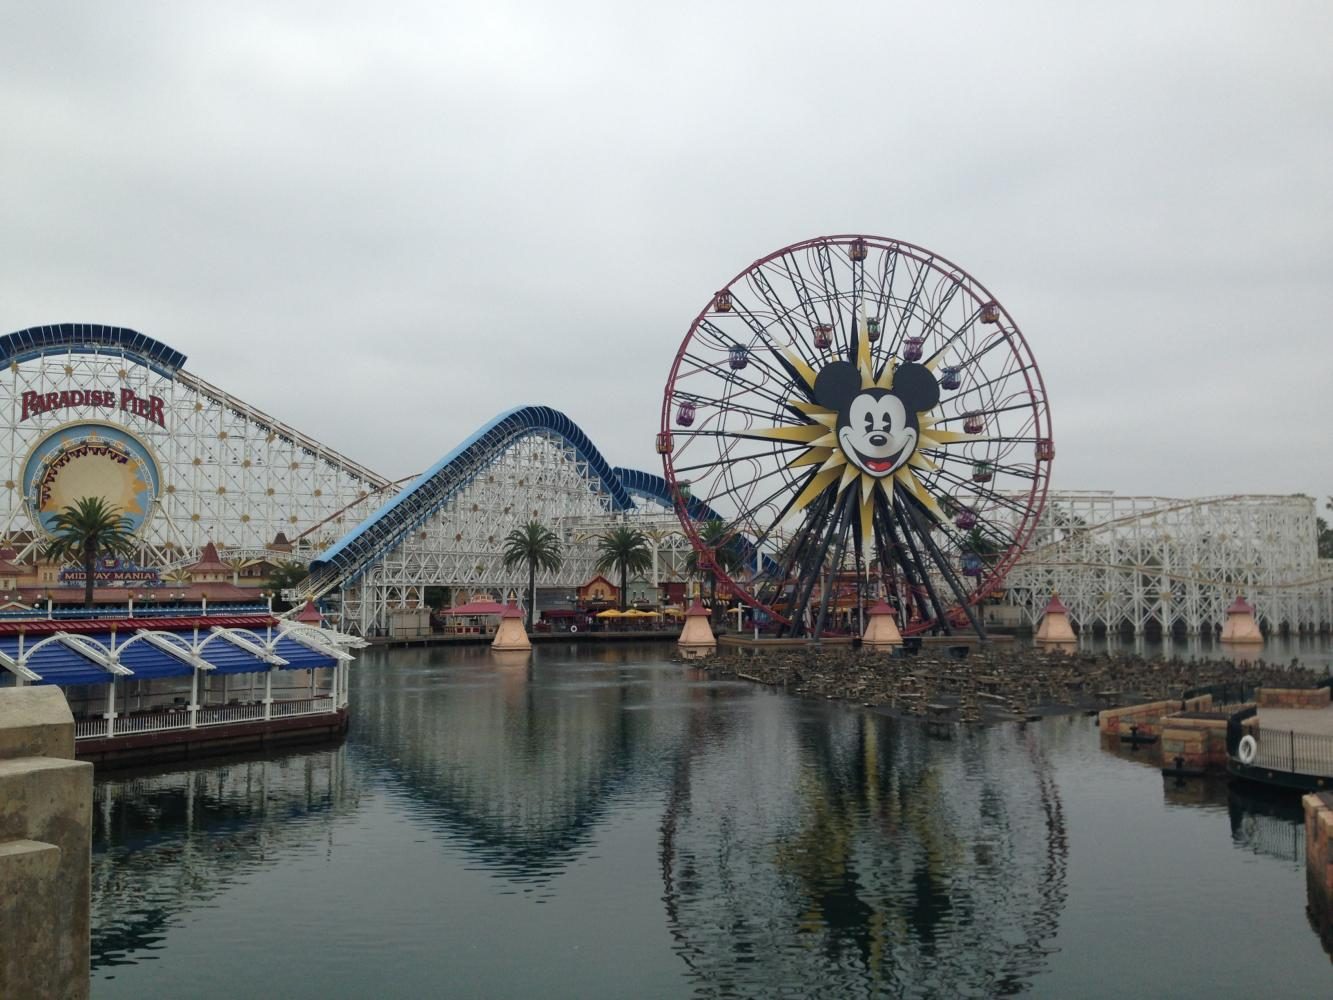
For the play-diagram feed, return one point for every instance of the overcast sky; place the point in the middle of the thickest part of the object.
(384, 224)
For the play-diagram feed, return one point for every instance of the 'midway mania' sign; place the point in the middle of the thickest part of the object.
(111, 572)
(150, 408)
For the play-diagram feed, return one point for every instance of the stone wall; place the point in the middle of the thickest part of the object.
(1200, 744)
(1292, 697)
(1148, 716)
(1319, 861)
(45, 838)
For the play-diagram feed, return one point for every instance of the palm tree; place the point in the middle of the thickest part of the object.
(720, 541)
(86, 529)
(625, 549)
(538, 546)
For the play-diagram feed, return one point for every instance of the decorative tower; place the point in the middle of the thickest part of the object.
(511, 635)
(696, 638)
(1240, 627)
(1055, 632)
(881, 630)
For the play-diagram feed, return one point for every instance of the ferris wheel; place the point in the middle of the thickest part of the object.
(851, 416)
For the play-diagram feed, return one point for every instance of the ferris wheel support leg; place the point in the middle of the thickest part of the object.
(806, 587)
(797, 556)
(894, 512)
(947, 572)
(888, 541)
(842, 522)
(941, 618)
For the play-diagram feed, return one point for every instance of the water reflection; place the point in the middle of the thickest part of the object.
(745, 843)
(169, 841)
(856, 851)
(517, 762)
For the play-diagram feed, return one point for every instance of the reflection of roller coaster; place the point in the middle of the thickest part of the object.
(1136, 562)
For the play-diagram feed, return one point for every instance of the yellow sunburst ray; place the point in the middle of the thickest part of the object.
(799, 433)
(811, 456)
(810, 409)
(849, 475)
(934, 437)
(863, 352)
(816, 486)
(921, 461)
(804, 370)
(835, 460)
(908, 478)
(867, 518)
(885, 380)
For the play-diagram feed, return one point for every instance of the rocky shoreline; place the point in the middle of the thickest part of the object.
(999, 684)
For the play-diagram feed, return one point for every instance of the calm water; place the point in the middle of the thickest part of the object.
(604, 823)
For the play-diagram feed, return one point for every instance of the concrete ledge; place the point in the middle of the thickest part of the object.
(46, 801)
(36, 722)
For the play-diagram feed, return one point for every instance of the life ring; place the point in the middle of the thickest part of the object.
(573, 628)
(1247, 750)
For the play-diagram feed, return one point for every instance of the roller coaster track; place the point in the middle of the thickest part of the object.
(358, 551)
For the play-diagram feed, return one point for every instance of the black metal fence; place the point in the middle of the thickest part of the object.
(1287, 750)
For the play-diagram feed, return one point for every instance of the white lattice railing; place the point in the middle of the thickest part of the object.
(211, 715)
(304, 706)
(216, 715)
(88, 728)
(151, 722)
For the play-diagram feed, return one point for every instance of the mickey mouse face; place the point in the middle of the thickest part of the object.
(877, 428)
(875, 434)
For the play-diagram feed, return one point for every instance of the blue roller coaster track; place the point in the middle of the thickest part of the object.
(89, 338)
(359, 550)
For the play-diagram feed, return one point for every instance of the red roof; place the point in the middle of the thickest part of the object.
(476, 608)
(1239, 607)
(696, 609)
(882, 608)
(209, 562)
(309, 613)
(511, 611)
(43, 626)
(189, 594)
(1055, 606)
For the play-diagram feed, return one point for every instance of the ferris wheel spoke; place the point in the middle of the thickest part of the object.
(784, 449)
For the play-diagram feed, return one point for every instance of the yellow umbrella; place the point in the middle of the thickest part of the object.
(608, 613)
(675, 612)
(636, 613)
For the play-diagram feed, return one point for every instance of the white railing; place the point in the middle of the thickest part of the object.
(151, 722)
(89, 728)
(211, 715)
(304, 706)
(217, 715)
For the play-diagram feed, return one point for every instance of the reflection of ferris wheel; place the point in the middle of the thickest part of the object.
(857, 405)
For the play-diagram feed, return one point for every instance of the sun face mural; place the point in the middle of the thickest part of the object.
(866, 431)
(90, 460)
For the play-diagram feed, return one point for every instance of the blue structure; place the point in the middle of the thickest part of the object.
(90, 338)
(345, 561)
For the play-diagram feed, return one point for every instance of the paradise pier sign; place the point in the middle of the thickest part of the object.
(150, 408)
